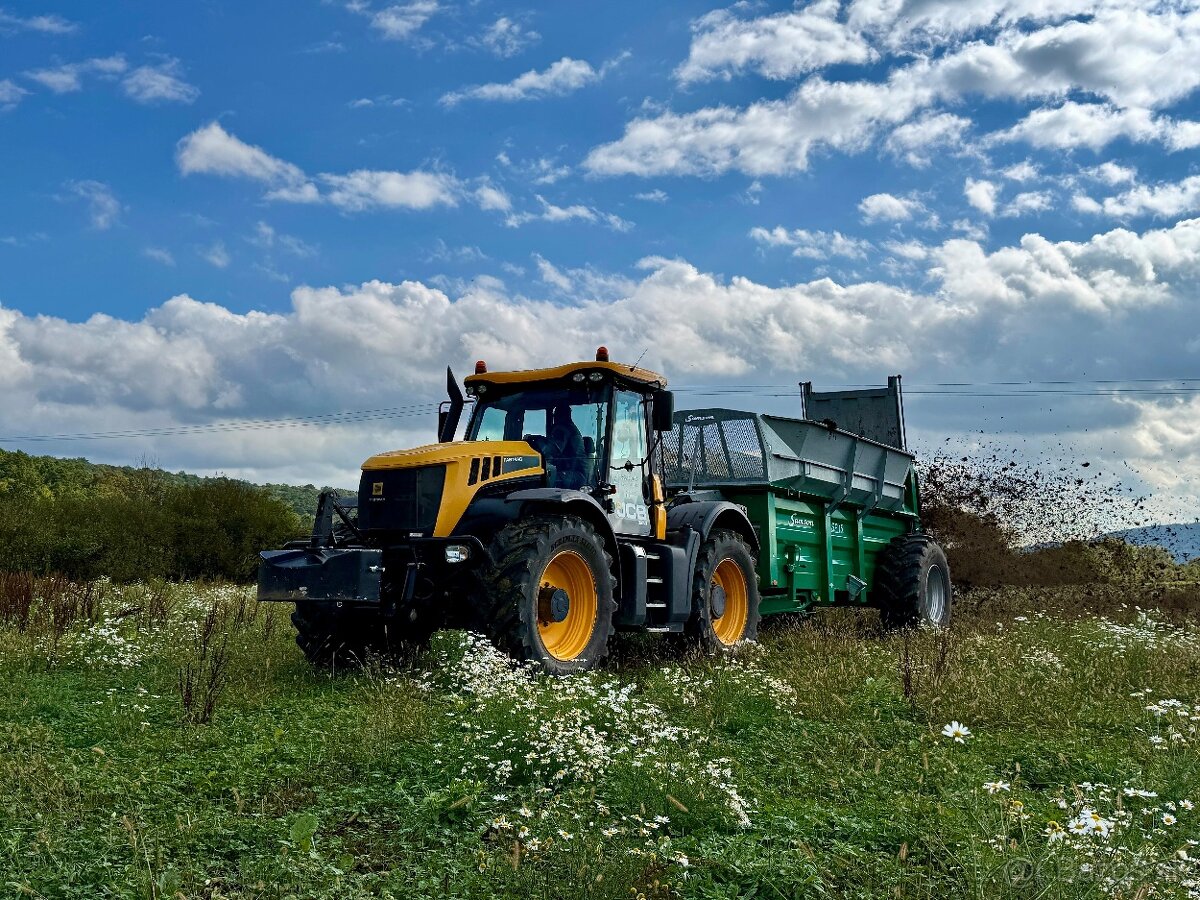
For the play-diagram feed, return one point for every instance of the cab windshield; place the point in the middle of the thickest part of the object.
(566, 425)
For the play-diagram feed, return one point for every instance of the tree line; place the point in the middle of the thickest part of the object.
(85, 521)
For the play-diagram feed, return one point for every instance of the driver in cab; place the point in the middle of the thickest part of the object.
(564, 448)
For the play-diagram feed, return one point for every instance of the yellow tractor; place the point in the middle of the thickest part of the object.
(546, 528)
(580, 503)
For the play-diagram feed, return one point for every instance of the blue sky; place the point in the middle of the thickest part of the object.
(220, 211)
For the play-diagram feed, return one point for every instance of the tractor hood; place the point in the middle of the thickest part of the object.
(514, 455)
(427, 489)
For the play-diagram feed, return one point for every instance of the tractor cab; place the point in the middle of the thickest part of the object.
(593, 424)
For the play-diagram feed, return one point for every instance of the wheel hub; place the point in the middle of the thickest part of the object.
(716, 601)
(554, 604)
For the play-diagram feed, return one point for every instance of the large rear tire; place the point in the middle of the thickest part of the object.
(345, 638)
(724, 595)
(549, 594)
(912, 583)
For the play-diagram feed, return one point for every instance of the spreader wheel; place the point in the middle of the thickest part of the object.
(912, 583)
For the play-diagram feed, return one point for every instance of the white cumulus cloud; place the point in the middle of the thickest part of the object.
(780, 46)
(505, 38)
(161, 83)
(46, 23)
(1167, 199)
(1120, 57)
(915, 140)
(889, 208)
(68, 78)
(820, 245)
(551, 212)
(402, 21)
(103, 206)
(1096, 125)
(10, 93)
(211, 150)
(365, 189)
(981, 194)
(1127, 299)
(563, 77)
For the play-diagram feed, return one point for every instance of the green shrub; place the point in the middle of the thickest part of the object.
(210, 529)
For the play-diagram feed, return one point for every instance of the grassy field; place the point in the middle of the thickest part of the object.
(170, 741)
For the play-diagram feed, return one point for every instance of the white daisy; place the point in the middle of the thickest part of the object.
(956, 731)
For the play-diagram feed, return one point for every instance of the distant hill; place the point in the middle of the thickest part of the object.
(50, 477)
(1181, 539)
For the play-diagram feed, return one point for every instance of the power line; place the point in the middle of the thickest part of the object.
(352, 416)
(942, 384)
(931, 389)
(1033, 393)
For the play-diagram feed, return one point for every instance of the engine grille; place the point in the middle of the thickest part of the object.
(401, 499)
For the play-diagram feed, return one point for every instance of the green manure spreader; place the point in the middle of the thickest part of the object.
(833, 502)
(578, 503)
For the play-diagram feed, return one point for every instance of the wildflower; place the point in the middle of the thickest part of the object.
(956, 731)
(525, 812)
(1090, 822)
(501, 824)
(1054, 832)
(565, 835)
(1168, 819)
(995, 787)
(1187, 804)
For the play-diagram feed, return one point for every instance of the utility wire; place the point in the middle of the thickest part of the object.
(398, 412)
(938, 389)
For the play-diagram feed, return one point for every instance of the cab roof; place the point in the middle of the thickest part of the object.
(623, 372)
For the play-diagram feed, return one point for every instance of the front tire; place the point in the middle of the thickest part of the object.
(724, 595)
(913, 583)
(550, 594)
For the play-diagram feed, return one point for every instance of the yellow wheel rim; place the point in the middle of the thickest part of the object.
(567, 639)
(731, 624)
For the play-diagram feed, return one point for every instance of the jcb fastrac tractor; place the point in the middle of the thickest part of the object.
(580, 503)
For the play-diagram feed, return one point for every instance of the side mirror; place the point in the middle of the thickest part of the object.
(664, 411)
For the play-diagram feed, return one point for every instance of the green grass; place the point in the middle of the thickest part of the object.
(801, 768)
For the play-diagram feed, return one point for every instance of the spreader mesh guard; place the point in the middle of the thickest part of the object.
(732, 448)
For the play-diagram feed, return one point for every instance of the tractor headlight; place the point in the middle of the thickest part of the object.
(457, 553)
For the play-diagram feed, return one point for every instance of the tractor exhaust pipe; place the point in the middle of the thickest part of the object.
(451, 410)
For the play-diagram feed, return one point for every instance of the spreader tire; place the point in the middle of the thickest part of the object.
(549, 594)
(724, 594)
(912, 583)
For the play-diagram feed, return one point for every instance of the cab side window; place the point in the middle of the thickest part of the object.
(629, 430)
